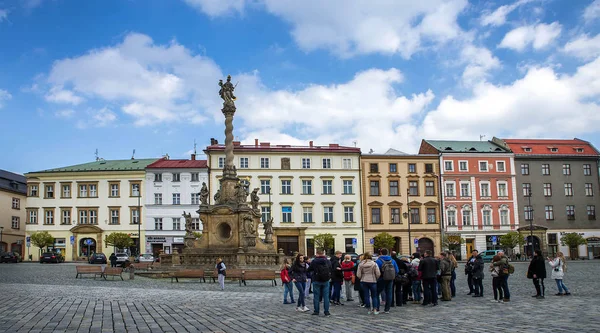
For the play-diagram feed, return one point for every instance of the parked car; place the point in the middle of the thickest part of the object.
(121, 258)
(51, 257)
(489, 254)
(145, 258)
(97, 258)
(10, 257)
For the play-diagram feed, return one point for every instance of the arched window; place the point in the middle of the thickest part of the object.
(467, 216)
(486, 214)
(451, 216)
(504, 214)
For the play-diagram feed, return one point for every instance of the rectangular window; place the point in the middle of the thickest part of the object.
(16, 203)
(567, 169)
(487, 217)
(528, 213)
(49, 217)
(570, 212)
(394, 191)
(33, 190)
(429, 188)
(546, 169)
(158, 177)
(176, 223)
(348, 214)
(347, 186)
(485, 189)
(195, 198)
(195, 224)
(451, 214)
(463, 166)
(264, 162)
(195, 177)
(466, 217)
(66, 191)
(15, 223)
(525, 169)
(83, 193)
(307, 214)
(265, 186)
(393, 167)
(158, 224)
(135, 215)
(135, 190)
(221, 162)
(83, 217)
(265, 213)
(450, 192)
(243, 162)
(483, 166)
(307, 187)
(568, 189)
(413, 187)
(549, 212)
(327, 187)
(49, 191)
(176, 198)
(465, 190)
(412, 168)
(526, 189)
(587, 170)
(327, 214)
(589, 190)
(374, 187)
(66, 216)
(93, 191)
(114, 216)
(414, 216)
(306, 163)
(395, 215)
(32, 217)
(114, 190)
(326, 163)
(286, 187)
(158, 198)
(500, 166)
(428, 168)
(448, 166)
(547, 189)
(504, 217)
(374, 167)
(286, 212)
(591, 212)
(376, 215)
(176, 177)
(93, 216)
(431, 216)
(347, 163)
(502, 190)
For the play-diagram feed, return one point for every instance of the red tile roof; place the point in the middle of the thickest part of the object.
(575, 147)
(178, 164)
(266, 147)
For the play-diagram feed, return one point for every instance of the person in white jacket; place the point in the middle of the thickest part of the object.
(559, 267)
(416, 282)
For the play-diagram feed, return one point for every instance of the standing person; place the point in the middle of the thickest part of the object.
(307, 290)
(337, 278)
(537, 272)
(357, 285)
(220, 266)
(286, 281)
(415, 276)
(446, 274)
(113, 260)
(503, 264)
(385, 283)
(397, 286)
(428, 268)
(407, 287)
(496, 279)
(453, 277)
(298, 275)
(469, 271)
(368, 273)
(320, 268)
(559, 267)
(478, 275)
(348, 271)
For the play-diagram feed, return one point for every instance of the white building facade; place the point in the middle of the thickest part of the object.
(173, 188)
(308, 190)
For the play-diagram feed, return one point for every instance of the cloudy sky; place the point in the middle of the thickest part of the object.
(120, 75)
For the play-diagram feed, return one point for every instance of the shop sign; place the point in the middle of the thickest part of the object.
(177, 239)
(133, 234)
(153, 239)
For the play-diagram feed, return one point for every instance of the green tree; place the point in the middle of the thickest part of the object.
(572, 240)
(384, 241)
(511, 239)
(42, 239)
(120, 240)
(452, 242)
(324, 241)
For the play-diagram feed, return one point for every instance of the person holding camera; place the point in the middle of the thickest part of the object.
(559, 267)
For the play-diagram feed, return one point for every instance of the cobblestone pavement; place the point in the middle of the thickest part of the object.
(48, 298)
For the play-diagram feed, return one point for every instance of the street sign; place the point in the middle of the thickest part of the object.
(372, 241)
(88, 242)
(28, 241)
(494, 240)
(72, 240)
(354, 243)
(416, 241)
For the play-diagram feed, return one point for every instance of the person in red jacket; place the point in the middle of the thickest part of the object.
(348, 269)
(286, 281)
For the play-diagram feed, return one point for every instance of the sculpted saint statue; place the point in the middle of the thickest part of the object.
(217, 197)
(226, 91)
(188, 224)
(204, 194)
(254, 198)
(268, 226)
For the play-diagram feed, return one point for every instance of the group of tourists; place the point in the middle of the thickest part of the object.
(391, 280)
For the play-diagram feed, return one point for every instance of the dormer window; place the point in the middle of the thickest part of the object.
(579, 150)
(554, 150)
(527, 149)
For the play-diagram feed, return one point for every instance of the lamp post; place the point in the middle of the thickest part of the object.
(139, 221)
(530, 218)
(1, 244)
(407, 217)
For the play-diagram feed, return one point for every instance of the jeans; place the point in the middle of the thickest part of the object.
(385, 286)
(446, 294)
(288, 288)
(300, 286)
(397, 299)
(417, 290)
(505, 287)
(429, 292)
(478, 285)
(349, 290)
(337, 289)
(497, 285)
(222, 281)
(307, 289)
(470, 282)
(452, 285)
(321, 289)
(370, 295)
(560, 285)
(540, 291)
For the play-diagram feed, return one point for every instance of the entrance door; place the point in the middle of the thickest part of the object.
(425, 244)
(310, 247)
(536, 245)
(397, 246)
(470, 243)
(289, 244)
(87, 246)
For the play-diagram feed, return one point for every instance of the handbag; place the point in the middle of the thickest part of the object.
(353, 279)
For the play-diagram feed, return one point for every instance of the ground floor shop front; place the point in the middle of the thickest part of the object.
(418, 240)
(301, 240)
(157, 244)
(590, 250)
(12, 242)
(482, 241)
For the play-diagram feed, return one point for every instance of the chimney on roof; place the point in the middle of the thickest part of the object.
(193, 157)
(310, 143)
(213, 141)
(255, 142)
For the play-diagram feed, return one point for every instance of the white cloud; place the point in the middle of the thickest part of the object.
(584, 47)
(66, 113)
(103, 117)
(218, 8)
(152, 83)
(539, 36)
(3, 15)
(498, 17)
(592, 11)
(479, 62)
(4, 96)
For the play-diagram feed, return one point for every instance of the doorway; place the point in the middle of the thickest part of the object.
(289, 244)
(87, 246)
(310, 247)
(426, 244)
(398, 246)
(528, 245)
(470, 244)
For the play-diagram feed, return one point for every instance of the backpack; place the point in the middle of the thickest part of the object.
(511, 269)
(412, 272)
(388, 272)
(321, 272)
(402, 279)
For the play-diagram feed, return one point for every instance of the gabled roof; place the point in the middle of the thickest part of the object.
(393, 151)
(13, 182)
(575, 147)
(105, 165)
(466, 146)
(178, 164)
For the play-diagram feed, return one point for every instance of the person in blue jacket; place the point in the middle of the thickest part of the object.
(386, 280)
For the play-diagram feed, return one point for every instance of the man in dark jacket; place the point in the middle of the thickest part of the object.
(469, 271)
(337, 278)
(478, 276)
(428, 268)
(537, 272)
(320, 268)
(400, 295)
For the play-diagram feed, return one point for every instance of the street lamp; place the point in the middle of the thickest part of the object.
(1, 244)
(406, 217)
(530, 218)
(139, 221)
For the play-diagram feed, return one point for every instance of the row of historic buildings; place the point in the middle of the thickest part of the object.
(476, 190)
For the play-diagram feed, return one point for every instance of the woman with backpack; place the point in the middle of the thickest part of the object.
(368, 273)
(497, 280)
(559, 267)
(298, 275)
(286, 281)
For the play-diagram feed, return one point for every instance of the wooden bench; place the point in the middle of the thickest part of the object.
(113, 271)
(95, 270)
(188, 273)
(257, 275)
